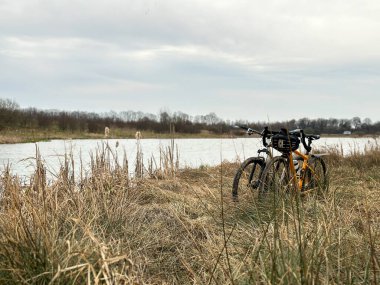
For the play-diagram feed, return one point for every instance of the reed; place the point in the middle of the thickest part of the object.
(106, 226)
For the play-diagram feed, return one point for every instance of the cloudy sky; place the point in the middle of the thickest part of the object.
(242, 59)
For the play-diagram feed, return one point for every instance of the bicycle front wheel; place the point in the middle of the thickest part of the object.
(315, 175)
(247, 178)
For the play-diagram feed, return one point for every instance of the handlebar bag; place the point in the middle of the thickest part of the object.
(284, 142)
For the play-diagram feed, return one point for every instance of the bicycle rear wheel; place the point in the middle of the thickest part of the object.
(315, 175)
(247, 178)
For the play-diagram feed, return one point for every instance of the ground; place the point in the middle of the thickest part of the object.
(182, 227)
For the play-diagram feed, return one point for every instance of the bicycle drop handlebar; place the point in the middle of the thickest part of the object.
(267, 134)
(310, 138)
(249, 130)
(303, 140)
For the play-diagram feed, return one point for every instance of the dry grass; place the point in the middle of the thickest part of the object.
(109, 228)
(31, 135)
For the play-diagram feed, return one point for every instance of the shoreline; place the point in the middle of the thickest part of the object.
(30, 136)
(18, 139)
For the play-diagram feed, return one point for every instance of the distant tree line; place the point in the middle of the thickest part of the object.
(14, 117)
(326, 126)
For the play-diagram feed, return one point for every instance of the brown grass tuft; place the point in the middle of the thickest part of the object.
(111, 228)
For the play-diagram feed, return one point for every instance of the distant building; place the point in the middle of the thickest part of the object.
(347, 132)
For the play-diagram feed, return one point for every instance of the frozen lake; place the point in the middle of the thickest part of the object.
(192, 152)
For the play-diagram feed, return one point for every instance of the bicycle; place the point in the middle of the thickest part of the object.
(248, 176)
(303, 172)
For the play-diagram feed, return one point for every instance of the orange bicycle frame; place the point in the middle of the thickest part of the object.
(299, 182)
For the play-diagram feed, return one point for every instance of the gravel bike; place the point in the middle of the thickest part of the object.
(249, 174)
(293, 170)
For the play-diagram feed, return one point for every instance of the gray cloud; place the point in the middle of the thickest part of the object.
(240, 59)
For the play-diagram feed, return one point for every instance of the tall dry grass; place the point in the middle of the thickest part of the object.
(109, 227)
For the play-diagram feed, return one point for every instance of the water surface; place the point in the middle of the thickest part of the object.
(192, 152)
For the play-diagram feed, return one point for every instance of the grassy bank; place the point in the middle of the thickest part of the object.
(181, 227)
(27, 136)
(30, 135)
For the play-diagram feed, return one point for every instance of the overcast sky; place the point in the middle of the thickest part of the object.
(242, 59)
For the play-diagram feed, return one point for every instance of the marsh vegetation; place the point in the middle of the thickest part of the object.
(180, 226)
